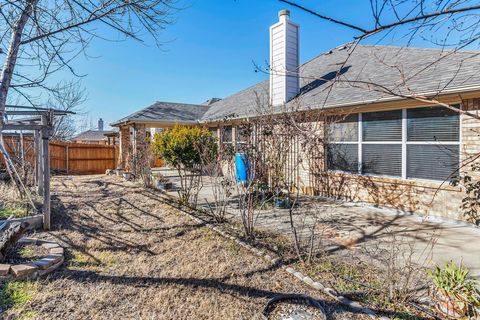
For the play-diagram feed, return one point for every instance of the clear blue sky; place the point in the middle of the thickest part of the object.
(209, 52)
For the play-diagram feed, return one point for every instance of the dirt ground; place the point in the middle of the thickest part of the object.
(132, 256)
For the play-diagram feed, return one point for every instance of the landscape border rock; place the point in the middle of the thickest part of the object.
(40, 267)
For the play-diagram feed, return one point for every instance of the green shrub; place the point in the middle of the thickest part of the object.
(186, 149)
(183, 146)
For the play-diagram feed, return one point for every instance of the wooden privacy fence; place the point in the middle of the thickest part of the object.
(81, 158)
(66, 157)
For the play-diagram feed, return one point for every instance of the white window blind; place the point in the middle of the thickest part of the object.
(382, 159)
(343, 129)
(433, 137)
(433, 124)
(343, 157)
(382, 126)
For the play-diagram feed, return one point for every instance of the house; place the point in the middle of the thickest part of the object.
(392, 145)
(99, 136)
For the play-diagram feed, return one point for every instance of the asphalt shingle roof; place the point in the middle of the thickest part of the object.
(167, 112)
(400, 69)
(92, 135)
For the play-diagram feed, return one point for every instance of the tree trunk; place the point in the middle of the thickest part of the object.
(12, 54)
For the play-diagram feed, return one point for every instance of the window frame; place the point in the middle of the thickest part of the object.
(404, 143)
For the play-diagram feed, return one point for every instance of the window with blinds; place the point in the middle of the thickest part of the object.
(434, 162)
(381, 143)
(343, 129)
(343, 157)
(419, 143)
(382, 126)
(433, 137)
(382, 159)
(433, 124)
(342, 149)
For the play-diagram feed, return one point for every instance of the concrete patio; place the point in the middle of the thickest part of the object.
(357, 226)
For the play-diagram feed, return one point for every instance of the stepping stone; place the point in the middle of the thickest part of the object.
(50, 245)
(4, 268)
(47, 261)
(27, 241)
(23, 270)
(58, 250)
(299, 314)
(52, 268)
(56, 258)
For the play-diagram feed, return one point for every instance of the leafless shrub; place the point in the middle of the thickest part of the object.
(217, 171)
(251, 192)
(402, 268)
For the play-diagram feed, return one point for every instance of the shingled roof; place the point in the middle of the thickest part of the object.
(402, 70)
(92, 135)
(169, 112)
(399, 69)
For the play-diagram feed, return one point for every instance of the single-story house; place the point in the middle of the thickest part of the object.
(99, 136)
(394, 147)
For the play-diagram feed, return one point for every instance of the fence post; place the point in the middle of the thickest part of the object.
(39, 160)
(46, 174)
(114, 155)
(22, 153)
(35, 154)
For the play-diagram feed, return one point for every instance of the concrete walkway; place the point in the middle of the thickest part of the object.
(355, 226)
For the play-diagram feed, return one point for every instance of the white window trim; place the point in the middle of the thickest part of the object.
(404, 144)
(360, 143)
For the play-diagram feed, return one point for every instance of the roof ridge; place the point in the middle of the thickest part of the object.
(419, 48)
(182, 103)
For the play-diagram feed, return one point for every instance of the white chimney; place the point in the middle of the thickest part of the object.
(284, 59)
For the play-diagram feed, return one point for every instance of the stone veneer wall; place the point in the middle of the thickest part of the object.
(141, 157)
(425, 197)
(125, 147)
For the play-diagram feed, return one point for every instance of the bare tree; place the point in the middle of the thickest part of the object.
(67, 97)
(41, 37)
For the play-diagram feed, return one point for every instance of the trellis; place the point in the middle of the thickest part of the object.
(40, 121)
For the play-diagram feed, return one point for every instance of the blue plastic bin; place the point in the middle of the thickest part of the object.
(242, 167)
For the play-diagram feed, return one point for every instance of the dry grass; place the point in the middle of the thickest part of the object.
(131, 256)
(12, 204)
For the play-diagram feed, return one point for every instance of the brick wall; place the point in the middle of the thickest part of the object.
(125, 147)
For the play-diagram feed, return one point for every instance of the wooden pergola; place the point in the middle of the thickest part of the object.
(40, 121)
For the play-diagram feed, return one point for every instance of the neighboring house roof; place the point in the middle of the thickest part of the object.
(92, 135)
(182, 113)
(400, 69)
